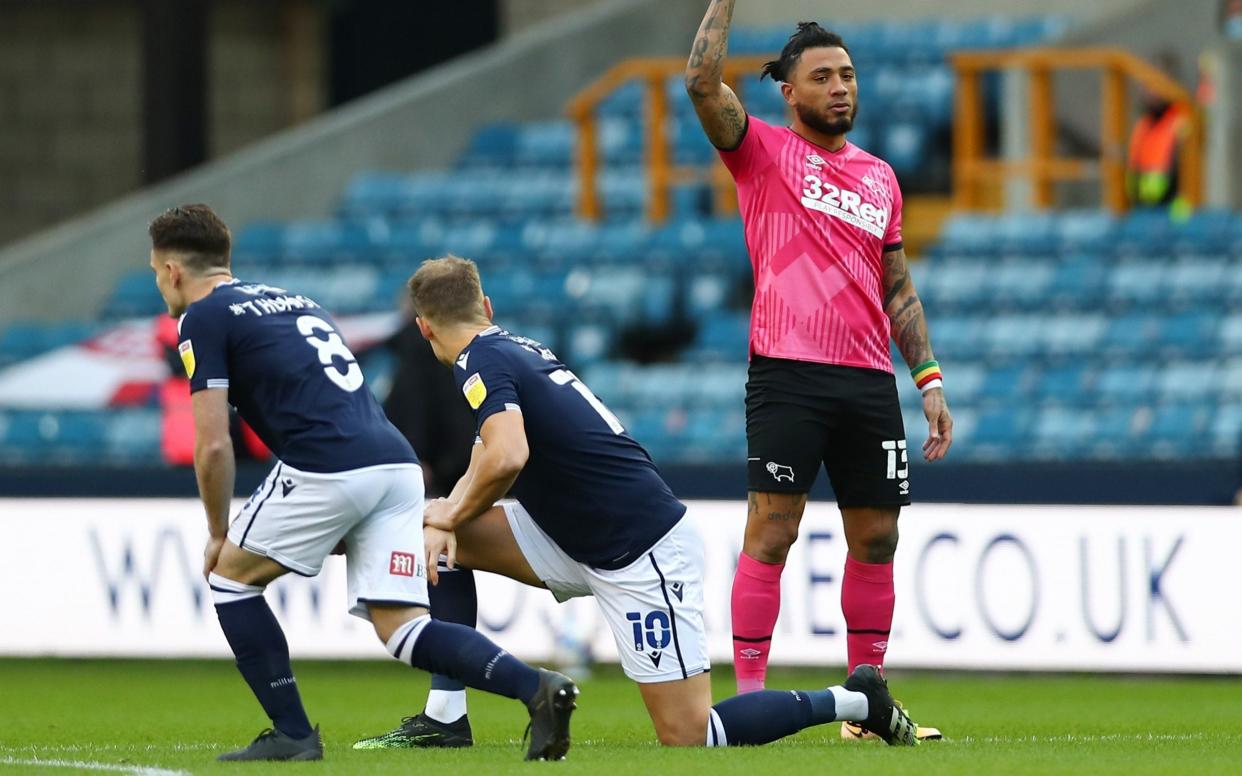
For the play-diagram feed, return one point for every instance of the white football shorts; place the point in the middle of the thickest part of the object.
(296, 518)
(654, 606)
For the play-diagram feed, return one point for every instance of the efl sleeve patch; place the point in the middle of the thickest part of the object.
(186, 349)
(475, 391)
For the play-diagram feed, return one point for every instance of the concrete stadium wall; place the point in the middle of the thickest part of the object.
(71, 99)
(424, 122)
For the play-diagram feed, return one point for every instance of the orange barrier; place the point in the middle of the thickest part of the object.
(661, 172)
(974, 176)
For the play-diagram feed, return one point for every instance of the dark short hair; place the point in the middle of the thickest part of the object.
(809, 35)
(197, 233)
(448, 290)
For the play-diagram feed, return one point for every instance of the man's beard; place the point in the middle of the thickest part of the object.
(820, 123)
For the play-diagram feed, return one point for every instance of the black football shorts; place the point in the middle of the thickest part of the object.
(801, 414)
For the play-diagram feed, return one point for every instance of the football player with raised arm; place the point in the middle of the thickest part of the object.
(822, 220)
(593, 517)
(344, 474)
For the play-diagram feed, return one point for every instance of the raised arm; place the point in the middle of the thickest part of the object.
(909, 326)
(720, 111)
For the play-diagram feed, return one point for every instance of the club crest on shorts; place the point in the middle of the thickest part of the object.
(780, 472)
(403, 564)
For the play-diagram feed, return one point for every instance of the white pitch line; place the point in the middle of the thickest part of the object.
(84, 765)
(1070, 738)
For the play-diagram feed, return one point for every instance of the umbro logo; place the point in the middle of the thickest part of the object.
(750, 653)
(287, 485)
(815, 160)
(678, 589)
(462, 359)
(655, 658)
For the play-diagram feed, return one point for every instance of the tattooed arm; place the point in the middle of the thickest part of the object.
(720, 111)
(909, 325)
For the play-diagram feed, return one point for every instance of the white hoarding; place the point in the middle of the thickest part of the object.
(995, 587)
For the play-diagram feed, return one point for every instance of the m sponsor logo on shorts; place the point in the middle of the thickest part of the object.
(780, 471)
(403, 564)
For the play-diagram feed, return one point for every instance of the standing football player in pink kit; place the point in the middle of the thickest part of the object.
(823, 228)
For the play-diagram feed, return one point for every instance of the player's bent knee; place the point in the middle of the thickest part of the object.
(246, 567)
(387, 620)
(685, 730)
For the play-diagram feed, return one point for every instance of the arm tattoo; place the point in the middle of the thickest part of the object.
(905, 311)
(707, 55)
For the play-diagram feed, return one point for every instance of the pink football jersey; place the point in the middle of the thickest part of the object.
(817, 223)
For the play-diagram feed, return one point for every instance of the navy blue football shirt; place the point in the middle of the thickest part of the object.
(290, 376)
(590, 487)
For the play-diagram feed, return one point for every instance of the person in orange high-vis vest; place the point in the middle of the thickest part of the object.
(1152, 163)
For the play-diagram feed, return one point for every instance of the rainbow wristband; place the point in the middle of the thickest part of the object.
(927, 376)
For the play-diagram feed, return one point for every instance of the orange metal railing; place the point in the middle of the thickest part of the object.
(976, 178)
(661, 172)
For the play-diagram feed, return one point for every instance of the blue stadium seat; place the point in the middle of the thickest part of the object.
(1231, 334)
(1066, 383)
(1231, 380)
(1085, 231)
(135, 295)
(1078, 283)
(1006, 383)
(1131, 334)
(1177, 430)
(957, 337)
(1072, 334)
(1024, 282)
(586, 343)
(1002, 433)
(133, 436)
(1116, 431)
(1226, 431)
(904, 146)
(326, 242)
(1188, 334)
(1187, 381)
(723, 336)
(1063, 432)
(969, 233)
(1138, 283)
(1126, 382)
(957, 284)
(1197, 280)
(1012, 336)
(1146, 233)
(1206, 232)
(1026, 234)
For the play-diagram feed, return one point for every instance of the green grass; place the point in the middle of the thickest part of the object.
(178, 715)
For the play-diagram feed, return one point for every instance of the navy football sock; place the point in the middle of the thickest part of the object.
(454, 599)
(767, 715)
(464, 654)
(263, 659)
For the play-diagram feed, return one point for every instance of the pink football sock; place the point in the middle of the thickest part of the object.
(756, 603)
(867, 602)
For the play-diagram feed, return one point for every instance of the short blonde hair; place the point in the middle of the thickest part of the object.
(448, 291)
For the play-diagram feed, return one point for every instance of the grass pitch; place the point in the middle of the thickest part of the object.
(157, 718)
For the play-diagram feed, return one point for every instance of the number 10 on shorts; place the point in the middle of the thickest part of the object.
(894, 447)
